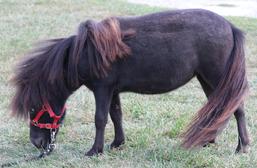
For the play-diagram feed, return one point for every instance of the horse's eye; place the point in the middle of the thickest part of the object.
(32, 110)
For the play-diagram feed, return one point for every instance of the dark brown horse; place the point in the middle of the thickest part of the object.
(149, 54)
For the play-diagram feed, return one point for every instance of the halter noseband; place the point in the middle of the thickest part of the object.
(47, 108)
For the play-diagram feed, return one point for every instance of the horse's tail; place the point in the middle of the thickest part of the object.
(224, 101)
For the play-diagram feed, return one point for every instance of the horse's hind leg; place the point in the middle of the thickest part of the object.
(116, 116)
(207, 90)
(243, 139)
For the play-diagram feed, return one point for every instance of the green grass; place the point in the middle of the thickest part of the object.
(152, 123)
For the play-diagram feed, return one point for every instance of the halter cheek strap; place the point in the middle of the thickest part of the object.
(47, 108)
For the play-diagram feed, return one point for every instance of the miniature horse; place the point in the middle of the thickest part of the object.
(150, 54)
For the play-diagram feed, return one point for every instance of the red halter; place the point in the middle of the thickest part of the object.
(47, 108)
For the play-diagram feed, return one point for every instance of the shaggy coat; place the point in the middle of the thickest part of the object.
(150, 54)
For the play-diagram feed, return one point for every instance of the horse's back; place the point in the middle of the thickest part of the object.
(175, 20)
(170, 47)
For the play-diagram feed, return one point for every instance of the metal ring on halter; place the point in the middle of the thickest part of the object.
(52, 144)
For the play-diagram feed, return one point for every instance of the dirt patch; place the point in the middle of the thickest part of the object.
(223, 7)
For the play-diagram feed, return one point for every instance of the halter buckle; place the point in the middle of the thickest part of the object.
(35, 122)
(48, 126)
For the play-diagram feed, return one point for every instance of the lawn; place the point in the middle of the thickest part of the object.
(152, 123)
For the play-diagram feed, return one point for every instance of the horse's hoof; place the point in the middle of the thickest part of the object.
(117, 144)
(209, 143)
(242, 149)
(94, 152)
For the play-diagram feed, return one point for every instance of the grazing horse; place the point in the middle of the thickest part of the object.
(150, 54)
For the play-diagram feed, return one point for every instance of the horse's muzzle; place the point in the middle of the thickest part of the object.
(39, 142)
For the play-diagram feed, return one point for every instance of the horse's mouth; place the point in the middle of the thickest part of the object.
(48, 150)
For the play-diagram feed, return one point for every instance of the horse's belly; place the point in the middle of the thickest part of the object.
(149, 88)
(154, 86)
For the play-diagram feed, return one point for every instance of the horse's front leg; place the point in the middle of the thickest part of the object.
(116, 116)
(103, 98)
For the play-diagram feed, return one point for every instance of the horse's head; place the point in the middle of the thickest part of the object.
(44, 125)
(42, 90)
(45, 116)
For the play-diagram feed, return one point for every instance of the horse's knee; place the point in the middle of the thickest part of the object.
(100, 121)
